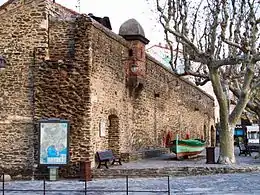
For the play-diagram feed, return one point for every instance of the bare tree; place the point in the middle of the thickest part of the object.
(252, 107)
(218, 41)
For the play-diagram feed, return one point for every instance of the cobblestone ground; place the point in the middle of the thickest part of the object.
(237, 184)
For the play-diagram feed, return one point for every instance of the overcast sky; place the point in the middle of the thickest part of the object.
(119, 11)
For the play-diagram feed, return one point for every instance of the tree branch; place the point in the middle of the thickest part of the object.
(243, 98)
(251, 105)
(236, 60)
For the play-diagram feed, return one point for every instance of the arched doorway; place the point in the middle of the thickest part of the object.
(113, 133)
(167, 138)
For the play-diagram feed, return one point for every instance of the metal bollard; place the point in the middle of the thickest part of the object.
(3, 183)
(210, 155)
(169, 187)
(85, 169)
(127, 187)
(44, 187)
(85, 182)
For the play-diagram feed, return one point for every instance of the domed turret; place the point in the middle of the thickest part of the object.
(131, 27)
(132, 30)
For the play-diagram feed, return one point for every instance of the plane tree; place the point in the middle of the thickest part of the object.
(252, 107)
(218, 42)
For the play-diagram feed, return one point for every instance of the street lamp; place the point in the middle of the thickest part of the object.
(134, 68)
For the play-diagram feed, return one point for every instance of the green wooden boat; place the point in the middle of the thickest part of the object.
(186, 148)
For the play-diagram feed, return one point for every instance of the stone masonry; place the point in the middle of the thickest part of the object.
(64, 65)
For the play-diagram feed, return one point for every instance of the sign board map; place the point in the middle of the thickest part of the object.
(54, 142)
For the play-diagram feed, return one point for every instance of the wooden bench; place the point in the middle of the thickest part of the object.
(243, 149)
(106, 156)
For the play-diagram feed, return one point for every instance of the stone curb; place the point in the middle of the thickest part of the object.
(171, 171)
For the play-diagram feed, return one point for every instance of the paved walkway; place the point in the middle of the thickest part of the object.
(167, 160)
(167, 165)
(226, 184)
(222, 184)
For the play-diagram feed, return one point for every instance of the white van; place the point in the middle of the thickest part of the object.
(252, 133)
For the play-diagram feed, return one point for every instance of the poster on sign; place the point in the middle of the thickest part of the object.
(54, 142)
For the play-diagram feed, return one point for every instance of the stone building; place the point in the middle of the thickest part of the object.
(60, 64)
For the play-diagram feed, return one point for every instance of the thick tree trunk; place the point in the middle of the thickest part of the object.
(226, 155)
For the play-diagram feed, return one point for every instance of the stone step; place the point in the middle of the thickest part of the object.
(164, 172)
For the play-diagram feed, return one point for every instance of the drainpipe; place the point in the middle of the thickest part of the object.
(32, 91)
(48, 36)
(32, 81)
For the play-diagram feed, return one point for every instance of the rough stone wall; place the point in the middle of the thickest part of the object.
(85, 81)
(109, 92)
(21, 30)
(63, 20)
(62, 87)
(180, 104)
(25, 37)
(144, 120)
(62, 39)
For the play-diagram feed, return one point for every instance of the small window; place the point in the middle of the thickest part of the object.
(156, 95)
(2, 62)
(130, 53)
